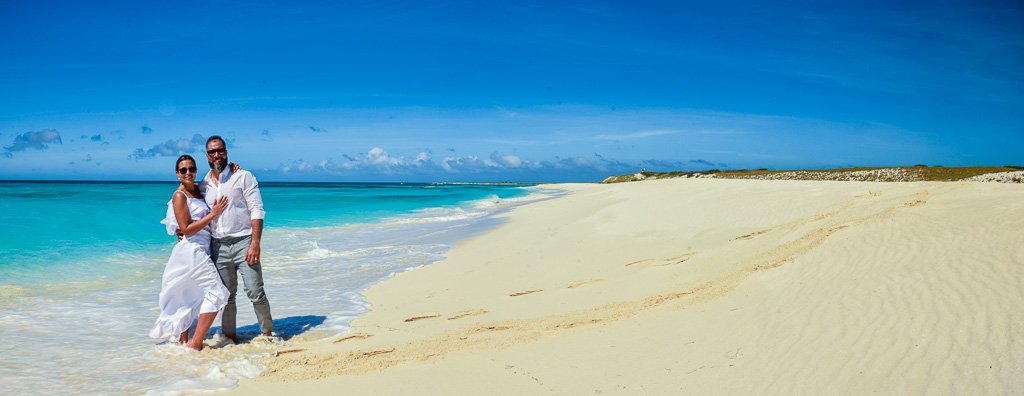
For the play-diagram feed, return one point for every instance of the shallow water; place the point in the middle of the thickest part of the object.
(75, 307)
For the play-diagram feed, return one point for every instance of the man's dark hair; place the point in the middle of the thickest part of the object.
(215, 137)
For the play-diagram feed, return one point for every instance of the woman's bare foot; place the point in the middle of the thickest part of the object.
(183, 338)
(195, 343)
(202, 328)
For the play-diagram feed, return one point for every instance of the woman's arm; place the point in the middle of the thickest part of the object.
(185, 223)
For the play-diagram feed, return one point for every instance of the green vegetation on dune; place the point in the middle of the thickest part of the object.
(918, 172)
(923, 173)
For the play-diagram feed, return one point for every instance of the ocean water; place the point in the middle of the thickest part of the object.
(80, 268)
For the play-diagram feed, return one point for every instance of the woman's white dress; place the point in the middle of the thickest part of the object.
(191, 285)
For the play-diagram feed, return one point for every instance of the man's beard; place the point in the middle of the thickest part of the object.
(216, 167)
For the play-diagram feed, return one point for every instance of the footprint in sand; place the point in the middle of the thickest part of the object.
(352, 337)
(750, 235)
(524, 292)
(377, 352)
(916, 202)
(822, 216)
(638, 262)
(582, 283)
(423, 316)
(479, 330)
(575, 324)
(678, 259)
(669, 261)
(279, 353)
(492, 328)
(466, 314)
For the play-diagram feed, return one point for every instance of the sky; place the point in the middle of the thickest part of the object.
(409, 91)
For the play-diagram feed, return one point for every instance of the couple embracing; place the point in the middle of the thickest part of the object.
(220, 222)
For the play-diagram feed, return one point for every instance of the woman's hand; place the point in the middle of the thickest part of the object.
(219, 206)
(234, 167)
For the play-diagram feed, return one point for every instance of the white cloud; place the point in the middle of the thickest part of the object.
(36, 140)
(171, 148)
(377, 156)
(506, 160)
(297, 166)
(457, 164)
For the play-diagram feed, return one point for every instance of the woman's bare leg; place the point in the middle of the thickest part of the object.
(205, 321)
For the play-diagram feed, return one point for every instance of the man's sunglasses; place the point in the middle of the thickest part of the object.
(184, 170)
(216, 151)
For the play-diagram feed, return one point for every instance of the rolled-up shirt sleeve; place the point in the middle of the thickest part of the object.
(253, 198)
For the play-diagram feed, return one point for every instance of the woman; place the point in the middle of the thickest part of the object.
(191, 292)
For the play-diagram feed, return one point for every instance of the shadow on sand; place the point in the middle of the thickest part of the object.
(285, 328)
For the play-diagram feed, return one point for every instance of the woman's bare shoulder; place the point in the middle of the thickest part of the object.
(179, 195)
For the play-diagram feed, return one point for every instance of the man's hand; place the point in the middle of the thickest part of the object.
(252, 256)
(179, 234)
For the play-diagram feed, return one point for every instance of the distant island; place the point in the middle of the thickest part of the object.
(1004, 174)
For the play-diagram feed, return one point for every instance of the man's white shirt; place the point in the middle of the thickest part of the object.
(245, 203)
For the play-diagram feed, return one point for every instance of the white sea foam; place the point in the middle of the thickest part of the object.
(471, 210)
(89, 337)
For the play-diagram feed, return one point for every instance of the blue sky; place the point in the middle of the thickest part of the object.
(476, 91)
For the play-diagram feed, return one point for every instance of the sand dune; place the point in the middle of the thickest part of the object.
(703, 286)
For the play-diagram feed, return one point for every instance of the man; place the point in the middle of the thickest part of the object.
(236, 235)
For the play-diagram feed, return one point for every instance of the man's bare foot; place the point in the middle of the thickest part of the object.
(183, 338)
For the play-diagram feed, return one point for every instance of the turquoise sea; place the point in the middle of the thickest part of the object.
(80, 267)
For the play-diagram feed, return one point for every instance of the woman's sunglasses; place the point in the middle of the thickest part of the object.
(183, 170)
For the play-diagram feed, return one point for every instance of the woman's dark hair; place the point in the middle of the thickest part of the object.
(178, 162)
(182, 158)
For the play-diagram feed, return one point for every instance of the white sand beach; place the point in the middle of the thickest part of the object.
(700, 286)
